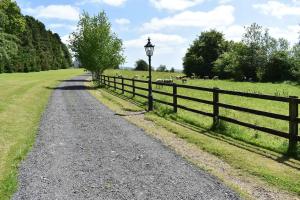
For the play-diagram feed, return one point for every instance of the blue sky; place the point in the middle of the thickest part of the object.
(172, 24)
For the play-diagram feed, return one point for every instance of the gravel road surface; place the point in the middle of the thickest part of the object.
(84, 151)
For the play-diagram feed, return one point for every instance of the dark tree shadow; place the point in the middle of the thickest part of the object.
(75, 80)
(72, 87)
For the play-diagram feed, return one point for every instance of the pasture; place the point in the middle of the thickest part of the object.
(247, 135)
(23, 98)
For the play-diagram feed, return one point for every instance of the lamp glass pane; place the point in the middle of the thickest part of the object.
(149, 51)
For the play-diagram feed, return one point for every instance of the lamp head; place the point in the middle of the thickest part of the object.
(149, 48)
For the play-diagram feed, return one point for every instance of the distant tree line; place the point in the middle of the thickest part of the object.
(258, 57)
(142, 65)
(26, 45)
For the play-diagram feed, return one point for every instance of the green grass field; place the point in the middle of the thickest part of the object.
(250, 136)
(23, 98)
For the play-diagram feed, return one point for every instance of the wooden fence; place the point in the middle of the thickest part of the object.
(292, 101)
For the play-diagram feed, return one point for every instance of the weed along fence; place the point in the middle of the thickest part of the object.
(133, 86)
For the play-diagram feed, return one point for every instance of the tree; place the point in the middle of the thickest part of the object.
(279, 68)
(259, 57)
(9, 52)
(27, 45)
(162, 68)
(228, 65)
(296, 60)
(14, 22)
(141, 65)
(172, 70)
(204, 51)
(95, 46)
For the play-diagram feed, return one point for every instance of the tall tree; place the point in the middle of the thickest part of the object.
(141, 65)
(162, 68)
(14, 21)
(26, 45)
(204, 51)
(258, 57)
(95, 46)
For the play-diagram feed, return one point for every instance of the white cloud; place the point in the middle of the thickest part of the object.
(65, 12)
(165, 43)
(169, 49)
(62, 26)
(297, 2)
(233, 32)
(122, 21)
(225, 1)
(291, 33)
(220, 16)
(164, 40)
(65, 39)
(109, 2)
(278, 9)
(174, 5)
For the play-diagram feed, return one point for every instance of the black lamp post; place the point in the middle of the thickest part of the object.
(149, 48)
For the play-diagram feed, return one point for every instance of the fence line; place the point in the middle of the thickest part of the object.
(293, 102)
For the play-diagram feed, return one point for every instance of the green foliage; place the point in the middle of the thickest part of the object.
(172, 70)
(296, 60)
(162, 68)
(279, 68)
(27, 45)
(12, 20)
(10, 42)
(203, 52)
(141, 65)
(95, 46)
(258, 57)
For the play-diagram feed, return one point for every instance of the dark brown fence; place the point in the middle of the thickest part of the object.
(292, 101)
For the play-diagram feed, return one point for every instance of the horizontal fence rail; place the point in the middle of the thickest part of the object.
(292, 101)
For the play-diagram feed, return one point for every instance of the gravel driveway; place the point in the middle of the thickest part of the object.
(84, 151)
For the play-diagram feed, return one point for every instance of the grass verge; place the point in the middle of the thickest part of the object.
(254, 172)
(23, 98)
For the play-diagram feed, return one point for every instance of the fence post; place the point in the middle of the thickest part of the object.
(216, 107)
(108, 82)
(133, 88)
(104, 80)
(293, 126)
(175, 97)
(122, 85)
(115, 86)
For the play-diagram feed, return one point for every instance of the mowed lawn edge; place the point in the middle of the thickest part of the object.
(23, 99)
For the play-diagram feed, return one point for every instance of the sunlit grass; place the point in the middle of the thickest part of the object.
(23, 98)
(258, 138)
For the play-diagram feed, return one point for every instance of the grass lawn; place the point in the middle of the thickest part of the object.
(23, 98)
(250, 136)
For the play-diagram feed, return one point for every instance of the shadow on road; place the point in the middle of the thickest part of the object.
(75, 80)
(72, 87)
